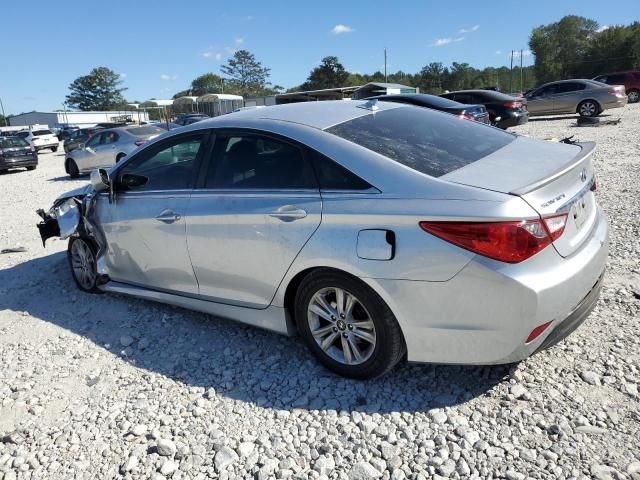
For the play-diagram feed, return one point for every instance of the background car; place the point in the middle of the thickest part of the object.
(376, 234)
(41, 138)
(630, 81)
(167, 125)
(189, 118)
(108, 147)
(79, 137)
(17, 152)
(66, 131)
(588, 98)
(477, 113)
(504, 110)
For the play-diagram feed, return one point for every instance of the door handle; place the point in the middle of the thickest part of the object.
(288, 213)
(168, 216)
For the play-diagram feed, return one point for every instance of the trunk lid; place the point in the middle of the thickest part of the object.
(551, 177)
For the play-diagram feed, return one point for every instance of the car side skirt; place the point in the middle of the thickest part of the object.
(271, 318)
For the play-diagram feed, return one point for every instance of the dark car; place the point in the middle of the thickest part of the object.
(79, 137)
(166, 125)
(17, 152)
(477, 113)
(66, 132)
(630, 81)
(189, 118)
(504, 110)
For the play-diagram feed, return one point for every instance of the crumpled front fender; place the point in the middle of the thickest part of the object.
(61, 221)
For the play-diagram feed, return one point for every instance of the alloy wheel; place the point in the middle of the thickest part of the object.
(588, 109)
(341, 326)
(83, 263)
(633, 96)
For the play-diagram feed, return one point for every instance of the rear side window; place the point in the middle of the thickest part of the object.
(145, 130)
(425, 140)
(616, 79)
(333, 176)
(258, 162)
(22, 134)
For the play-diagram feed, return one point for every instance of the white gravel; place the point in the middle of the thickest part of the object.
(99, 386)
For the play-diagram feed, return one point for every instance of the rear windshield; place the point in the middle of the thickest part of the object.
(12, 142)
(37, 133)
(425, 140)
(144, 130)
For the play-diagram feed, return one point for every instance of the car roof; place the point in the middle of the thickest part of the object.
(487, 93)
(320, 115)
(421, 99)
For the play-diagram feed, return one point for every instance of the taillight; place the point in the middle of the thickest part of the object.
(536, 332)
(594, 186)
(137, 143)
(512, 104)
(466, 116)
(509, 242)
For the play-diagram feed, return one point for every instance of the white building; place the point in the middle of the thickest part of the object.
(81, 119)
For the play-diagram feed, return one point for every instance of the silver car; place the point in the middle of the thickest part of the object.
(376, 231)
(588, 98)
(108, 147)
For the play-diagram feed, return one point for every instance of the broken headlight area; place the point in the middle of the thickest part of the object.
(66, 217)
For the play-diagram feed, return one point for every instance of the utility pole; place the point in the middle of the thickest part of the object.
(521, 82)
(385, 64)
(4, 117)
(511, 75)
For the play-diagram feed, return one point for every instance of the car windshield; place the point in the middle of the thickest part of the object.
(37, 133)
(145, 130)
(12, 142)
(425, 140)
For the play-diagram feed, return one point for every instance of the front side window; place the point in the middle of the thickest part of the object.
(109, 137)
(570, 87)
(93, 141)
(258, 162)
(167, 166)
(425, 140)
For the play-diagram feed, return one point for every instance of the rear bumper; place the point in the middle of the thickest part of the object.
(46, 145)
(513, 119)
(485, 313)
(615, 102)
(18, 162)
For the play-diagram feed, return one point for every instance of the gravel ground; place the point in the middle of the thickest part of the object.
(99, 386)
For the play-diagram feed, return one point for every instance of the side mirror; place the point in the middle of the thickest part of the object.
(82, 146)
(100, 180)
(130, 180)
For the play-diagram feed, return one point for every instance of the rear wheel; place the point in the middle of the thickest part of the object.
(72, 168)
(347, 326)
(589, 108)
(633, 96)
(82, 260)
(120, 156)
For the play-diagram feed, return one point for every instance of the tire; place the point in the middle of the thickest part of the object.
(120, 156)
(72, 168)
(81, 254)
(374, 346)
(633, 96)
(32, 167)
(589, 108)
(54, 149)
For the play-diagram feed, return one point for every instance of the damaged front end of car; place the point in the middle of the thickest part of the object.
(74, 213)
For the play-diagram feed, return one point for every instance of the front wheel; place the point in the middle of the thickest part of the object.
(347, 326)
(72, 168)
(31, 167)
(589, 108)
(633, 96)
(82, 260)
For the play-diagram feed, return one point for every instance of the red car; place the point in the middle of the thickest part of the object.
(630, 80)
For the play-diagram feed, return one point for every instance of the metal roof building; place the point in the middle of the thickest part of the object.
(81, 119)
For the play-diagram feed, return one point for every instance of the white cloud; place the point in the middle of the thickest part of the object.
(341, 28)
(168, 78)
(498, 52)
(439, 42)
(239, 40)
(603, 28)
(469, 30)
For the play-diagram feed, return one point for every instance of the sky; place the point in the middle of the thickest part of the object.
(159, 47)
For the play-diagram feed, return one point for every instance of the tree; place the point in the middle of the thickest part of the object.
(246, 75)
(329, 74)
(207, 83)
(3, 121)
(97, 91)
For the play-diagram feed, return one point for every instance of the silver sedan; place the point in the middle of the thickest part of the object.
(108, 147)
(376, 231)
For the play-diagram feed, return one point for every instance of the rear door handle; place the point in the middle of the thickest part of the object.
(288, 213)
(168, 216)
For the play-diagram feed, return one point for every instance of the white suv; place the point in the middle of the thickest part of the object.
(40, 137)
